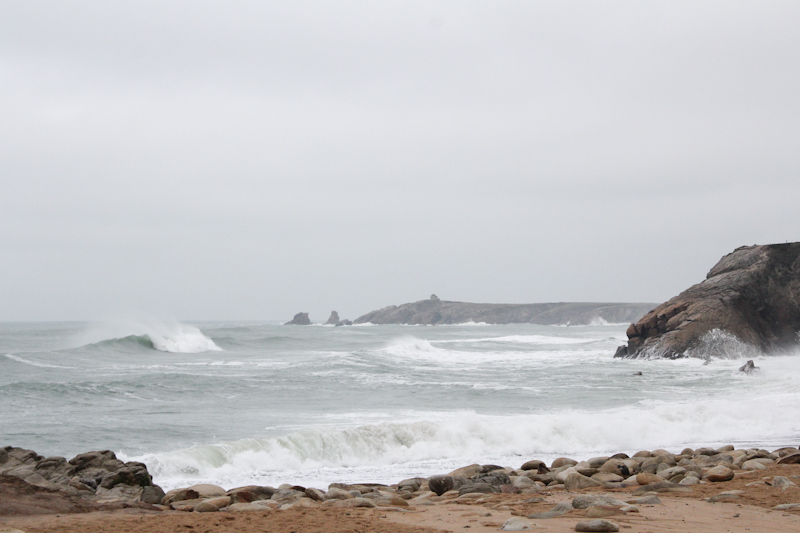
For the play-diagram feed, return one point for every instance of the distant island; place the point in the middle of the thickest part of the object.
(434, 311)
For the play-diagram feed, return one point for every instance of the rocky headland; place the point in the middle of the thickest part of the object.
(749, 303)
(690, 490)
(434, 311)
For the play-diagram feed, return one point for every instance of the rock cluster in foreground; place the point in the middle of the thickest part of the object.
(86, 482)
(98, 477)
(749, 302)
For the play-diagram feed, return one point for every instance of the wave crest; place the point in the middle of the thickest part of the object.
(164, 337)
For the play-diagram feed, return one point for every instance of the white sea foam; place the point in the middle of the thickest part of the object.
(428, 443)
(165, 336)
(523, 339)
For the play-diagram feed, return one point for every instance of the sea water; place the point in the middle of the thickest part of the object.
(257, 403)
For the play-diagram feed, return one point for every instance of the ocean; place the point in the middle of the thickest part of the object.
(239, 403)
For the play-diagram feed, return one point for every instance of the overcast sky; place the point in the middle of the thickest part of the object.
(250, 160)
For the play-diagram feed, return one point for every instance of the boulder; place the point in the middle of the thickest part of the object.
(152, 494)
(536, 465)
(645, 478)
(472, 488)
(206, 490)
(576, 481)
(354, 502)
(791, 459)
(559, 509)
(185, 505)
(467, 471)
(212, 505)
(300, 319)
(563, 461)
(782, 482)
(597, 525)
(250, 493)
(178, 495)
(496, 478)
(748, 304)
(411, 485)
(335, 493)
(718, 474)
(662, 486)
(669, 473)
(753, 464)
(584, 501)
(442, 484)
(615, 466)
(607, 477)
(517, 523)
(787, 507)
(602, 511)
(315, 494)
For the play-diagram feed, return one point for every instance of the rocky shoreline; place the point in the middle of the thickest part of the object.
(603, 489)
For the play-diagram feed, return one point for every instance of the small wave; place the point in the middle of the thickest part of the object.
(522, 339)
(32, 363)
(164, 337)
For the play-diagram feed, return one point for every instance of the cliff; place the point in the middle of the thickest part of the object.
(748, 300)
(435, 312)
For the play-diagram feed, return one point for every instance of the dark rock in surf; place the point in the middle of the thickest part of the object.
(748, 303)
(333, 320)
(749, 367)
(300, 319)
(344, 322)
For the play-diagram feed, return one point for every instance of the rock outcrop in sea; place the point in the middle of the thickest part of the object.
(300, 319)
(749, 303)
(334, 320)
(435, 311)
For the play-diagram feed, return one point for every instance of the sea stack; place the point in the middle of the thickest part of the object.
(333, 320)
(300, 319)
(750, 300)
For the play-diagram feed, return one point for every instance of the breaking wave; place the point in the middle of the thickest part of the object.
(164, 337)
(721, 344)
(445, 441)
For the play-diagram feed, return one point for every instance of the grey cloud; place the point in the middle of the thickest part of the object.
(251, 160)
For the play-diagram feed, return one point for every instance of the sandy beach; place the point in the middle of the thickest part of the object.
(752, 509)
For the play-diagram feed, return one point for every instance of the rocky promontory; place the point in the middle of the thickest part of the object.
(439, 312)
(749, 302)
(300, 319)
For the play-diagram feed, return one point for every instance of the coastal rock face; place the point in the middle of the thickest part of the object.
(435, 311)
(748, 303)
(300, 319)
(89, 479)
